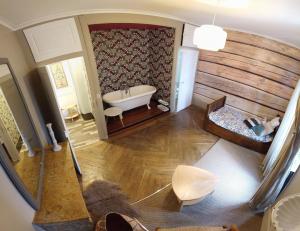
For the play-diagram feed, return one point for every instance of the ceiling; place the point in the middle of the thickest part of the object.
(278, 19)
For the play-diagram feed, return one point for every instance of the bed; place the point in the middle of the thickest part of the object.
(228, 123)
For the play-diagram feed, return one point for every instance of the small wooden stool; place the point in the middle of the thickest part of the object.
(114, 111)
(71, 112)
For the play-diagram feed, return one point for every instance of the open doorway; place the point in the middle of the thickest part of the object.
(69, 82)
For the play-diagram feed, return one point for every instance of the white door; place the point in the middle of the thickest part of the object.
(187, 65)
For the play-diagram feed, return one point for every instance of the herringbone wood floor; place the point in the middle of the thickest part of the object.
(143, 161)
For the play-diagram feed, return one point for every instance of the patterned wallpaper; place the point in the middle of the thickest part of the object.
(8, 120)
(134, 56)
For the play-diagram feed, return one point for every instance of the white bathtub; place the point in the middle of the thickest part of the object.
(137, 96)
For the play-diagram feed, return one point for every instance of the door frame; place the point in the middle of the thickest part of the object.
(57, 108)
(83, 21)
(93, 80)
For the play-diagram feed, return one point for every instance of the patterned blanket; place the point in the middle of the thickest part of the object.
(233, 120)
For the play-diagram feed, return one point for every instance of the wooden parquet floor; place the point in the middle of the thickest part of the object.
(133, 117)
(142, 161)
(82, 132)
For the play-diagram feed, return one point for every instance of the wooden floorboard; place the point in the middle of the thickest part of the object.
(82, 132)
(143, 161)
(133, 117)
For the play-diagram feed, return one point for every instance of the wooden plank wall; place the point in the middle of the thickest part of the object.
(256, 74)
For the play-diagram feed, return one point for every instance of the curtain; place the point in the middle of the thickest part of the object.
(274, 152)
(273, 182)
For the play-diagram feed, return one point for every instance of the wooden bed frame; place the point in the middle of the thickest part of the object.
(217, 130)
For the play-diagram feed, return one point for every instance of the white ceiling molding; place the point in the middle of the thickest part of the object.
(5, 23)
(53, 39)
(91, 11)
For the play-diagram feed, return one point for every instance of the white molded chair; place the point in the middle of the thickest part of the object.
(192, 184)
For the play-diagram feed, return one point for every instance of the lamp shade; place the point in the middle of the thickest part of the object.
(210, 37)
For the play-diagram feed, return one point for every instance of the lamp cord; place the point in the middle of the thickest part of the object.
(214, 18)
(215, 13)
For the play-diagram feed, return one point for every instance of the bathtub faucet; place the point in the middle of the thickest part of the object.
(125, 88)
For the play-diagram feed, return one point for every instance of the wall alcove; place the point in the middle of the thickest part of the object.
(133, 54)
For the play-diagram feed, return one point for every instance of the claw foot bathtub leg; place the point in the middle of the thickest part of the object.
(121, 119)
(148, 106)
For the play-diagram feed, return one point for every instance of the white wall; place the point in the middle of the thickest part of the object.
(77, 70)
(77, 91)
(11, 48)
(15, 213)
(66, 95)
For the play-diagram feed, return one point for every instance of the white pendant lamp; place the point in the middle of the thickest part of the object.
(210, 37)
